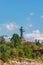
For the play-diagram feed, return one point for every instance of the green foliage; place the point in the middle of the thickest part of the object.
(20, 51)
(34, 55)
(2, 40)
(15, 40)
(27, 51)
(3, 52)
(17, 50)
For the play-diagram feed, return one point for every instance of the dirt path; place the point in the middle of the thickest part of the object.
(23, 62)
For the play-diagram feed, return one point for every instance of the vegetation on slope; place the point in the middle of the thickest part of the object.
(15, 49)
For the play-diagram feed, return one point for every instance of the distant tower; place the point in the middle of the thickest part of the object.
(21, 32)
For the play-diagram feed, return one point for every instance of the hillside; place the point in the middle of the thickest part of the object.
(15, 50)
(26, 50)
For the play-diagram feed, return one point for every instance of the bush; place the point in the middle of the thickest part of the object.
(17, 50)
(34, 55)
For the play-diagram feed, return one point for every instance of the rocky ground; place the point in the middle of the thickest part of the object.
(23, 62)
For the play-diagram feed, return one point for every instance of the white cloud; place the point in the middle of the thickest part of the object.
(41, 16)
(36, 31)
(28, 26)
(34, 35)
(32, 13)
(11, 26)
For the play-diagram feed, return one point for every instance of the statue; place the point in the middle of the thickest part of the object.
(21, 32)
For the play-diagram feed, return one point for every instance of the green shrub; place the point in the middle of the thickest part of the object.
(34, 55)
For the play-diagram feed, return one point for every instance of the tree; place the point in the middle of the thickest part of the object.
(2, 40)
(15, 39)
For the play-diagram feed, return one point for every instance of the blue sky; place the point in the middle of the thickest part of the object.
(26, 13)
